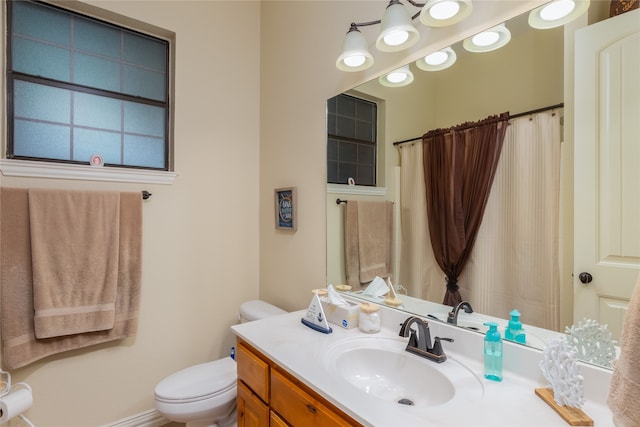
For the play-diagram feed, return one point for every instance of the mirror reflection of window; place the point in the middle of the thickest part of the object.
(351, 140)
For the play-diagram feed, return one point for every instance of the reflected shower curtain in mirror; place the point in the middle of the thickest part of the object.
(459, 166)
(417, 268)
(515, 260)
(516, 256)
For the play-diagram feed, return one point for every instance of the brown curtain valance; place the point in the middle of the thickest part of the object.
(459, 167)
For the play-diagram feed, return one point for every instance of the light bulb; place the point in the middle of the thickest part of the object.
(396, 38)
(444, 10)
(557, 10)
(436, 58)
(397, 76)
(354, 61)
(486, 38)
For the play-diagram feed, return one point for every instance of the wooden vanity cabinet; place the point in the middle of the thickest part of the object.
(269, 396)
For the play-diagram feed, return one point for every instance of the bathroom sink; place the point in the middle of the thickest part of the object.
(382, 369)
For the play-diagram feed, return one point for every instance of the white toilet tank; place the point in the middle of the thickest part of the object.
(257, 309)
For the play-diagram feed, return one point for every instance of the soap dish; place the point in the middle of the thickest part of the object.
(393, 302)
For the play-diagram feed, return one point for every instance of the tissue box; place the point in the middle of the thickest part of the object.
(340, 315)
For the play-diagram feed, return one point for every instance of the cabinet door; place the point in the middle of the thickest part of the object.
(253, 371)
(252, 412)
(298, 407)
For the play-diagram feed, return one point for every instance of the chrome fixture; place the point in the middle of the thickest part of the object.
(397, 30)
(420, 340)
(452, 318)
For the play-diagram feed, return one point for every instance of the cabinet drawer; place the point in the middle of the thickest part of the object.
(276, 421)
(298, 407)
(253, 371)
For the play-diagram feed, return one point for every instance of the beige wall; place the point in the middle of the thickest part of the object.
(200, 234)
(252, 80)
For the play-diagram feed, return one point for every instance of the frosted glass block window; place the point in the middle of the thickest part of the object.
(79, 86)
(351, 140)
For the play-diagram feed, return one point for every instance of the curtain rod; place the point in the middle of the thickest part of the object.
(511, 116)
(145, 194)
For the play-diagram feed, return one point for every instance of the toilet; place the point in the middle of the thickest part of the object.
(204, 395)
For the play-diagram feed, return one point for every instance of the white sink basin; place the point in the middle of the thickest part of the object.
(381, 368)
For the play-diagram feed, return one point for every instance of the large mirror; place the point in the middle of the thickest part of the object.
(526, 74)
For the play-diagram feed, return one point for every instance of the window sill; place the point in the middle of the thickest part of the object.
(33, 169)
(356, 189)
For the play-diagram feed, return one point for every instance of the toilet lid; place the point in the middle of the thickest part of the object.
(258, 309)
(198, 381)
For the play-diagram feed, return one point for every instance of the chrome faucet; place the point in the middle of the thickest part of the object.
(420, 340)
(453, 314)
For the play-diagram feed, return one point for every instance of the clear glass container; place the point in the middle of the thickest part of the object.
(369, 318)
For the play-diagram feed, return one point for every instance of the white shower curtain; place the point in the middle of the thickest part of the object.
(515, 260)
(418, 272)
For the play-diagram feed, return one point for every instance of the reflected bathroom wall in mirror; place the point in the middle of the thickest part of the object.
(525, 75)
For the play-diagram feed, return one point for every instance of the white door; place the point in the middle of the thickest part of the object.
(607, 169)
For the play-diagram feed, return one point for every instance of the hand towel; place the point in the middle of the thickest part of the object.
(368, 241)
(20, 347)
(352, 260)
(74, 255)
(625, 382)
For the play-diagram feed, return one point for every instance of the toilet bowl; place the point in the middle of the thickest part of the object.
(204, 395)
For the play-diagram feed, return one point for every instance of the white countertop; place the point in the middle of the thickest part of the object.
(512, 402)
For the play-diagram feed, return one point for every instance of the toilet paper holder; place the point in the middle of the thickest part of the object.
(6, 391)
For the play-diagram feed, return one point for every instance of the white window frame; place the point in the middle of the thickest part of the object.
(38, 169)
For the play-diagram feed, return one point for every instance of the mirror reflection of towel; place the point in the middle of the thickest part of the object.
(368, 231)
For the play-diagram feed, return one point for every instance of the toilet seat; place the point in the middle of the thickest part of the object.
(198, 382)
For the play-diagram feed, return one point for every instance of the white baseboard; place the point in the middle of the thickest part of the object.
(150, 418)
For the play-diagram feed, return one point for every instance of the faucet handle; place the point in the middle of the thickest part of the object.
(413, 339)
(437, 346)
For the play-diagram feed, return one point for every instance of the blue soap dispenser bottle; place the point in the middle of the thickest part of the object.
(492, 353)
(514, 331)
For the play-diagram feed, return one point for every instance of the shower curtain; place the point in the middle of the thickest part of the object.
(515, 260)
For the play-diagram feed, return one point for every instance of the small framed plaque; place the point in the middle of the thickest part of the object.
(285, 202)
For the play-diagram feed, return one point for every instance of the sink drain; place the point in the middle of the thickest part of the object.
(405, 401)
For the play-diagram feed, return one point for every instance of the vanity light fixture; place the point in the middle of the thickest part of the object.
(437, 61)
(397, 78)
(441, 13)
(355, 54)
(488, 40)
(557, 13)
(397, 30)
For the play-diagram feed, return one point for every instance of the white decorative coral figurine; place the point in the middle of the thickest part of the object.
(560, 368)
(592, 342)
